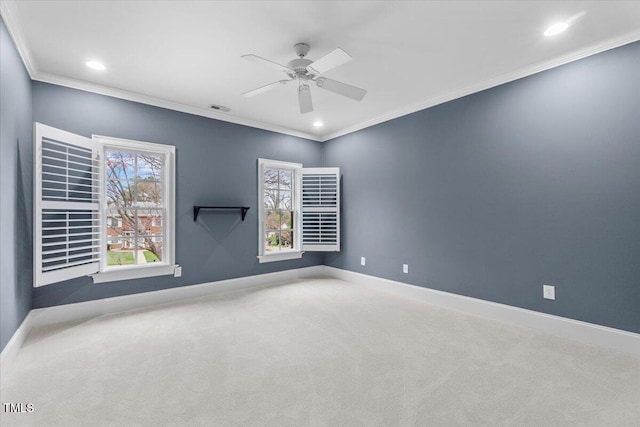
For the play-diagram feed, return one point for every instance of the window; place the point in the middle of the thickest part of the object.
(135, 203)
(104, 207)
(298, 210)
(279, 212)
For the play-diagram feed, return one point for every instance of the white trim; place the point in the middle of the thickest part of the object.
(297, 196)
(403, 111)
(575, 330)
(489, 83)
(11, 19)
(133, 272)
(169, 105)
(10, 13)
(586, 333)
(280, 256)
(110, 274)
(12, 348)
(83, 310)
(279, 164)
(136, 145)
(67, 273)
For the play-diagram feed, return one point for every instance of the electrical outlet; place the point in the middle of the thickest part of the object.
(362, 260)
(549, 292)
(177, 271)
(405, 268)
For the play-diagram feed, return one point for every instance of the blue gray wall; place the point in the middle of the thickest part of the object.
(495, 194)
(15, 188)
(216, 165)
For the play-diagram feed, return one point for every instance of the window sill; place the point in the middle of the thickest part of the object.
(280, 256)
(133, 273)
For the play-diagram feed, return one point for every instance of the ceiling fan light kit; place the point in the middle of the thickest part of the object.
(304, 99)
(304, 70)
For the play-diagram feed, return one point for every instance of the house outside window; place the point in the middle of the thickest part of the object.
(135, 203)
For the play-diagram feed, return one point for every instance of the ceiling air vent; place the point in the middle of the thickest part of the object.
(220, 108)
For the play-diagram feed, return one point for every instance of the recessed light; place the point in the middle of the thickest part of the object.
(318, 124)
(95, 65)
(556, 29)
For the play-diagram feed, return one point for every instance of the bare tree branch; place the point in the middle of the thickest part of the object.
(128, 193)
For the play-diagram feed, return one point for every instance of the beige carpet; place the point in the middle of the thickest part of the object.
(317, 352)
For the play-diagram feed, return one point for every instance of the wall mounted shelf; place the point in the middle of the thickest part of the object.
(196, 209)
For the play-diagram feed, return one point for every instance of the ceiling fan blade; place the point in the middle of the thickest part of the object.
(263, 89)
(260, 60)
(330, 61)
(304, 99)
(340, 88)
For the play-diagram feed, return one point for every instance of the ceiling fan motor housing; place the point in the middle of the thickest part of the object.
(299, 66)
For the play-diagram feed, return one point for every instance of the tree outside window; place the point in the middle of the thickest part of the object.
(134, 207)
(279, 213)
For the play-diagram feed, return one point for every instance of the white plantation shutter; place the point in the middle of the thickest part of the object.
(67, 205)
(321, 209)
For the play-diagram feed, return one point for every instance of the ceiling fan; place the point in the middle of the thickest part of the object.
(304, 70)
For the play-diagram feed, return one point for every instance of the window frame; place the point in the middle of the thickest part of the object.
(167, 265)
(296, 168)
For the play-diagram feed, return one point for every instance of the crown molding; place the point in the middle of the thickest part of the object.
(163, 103)
(489, 83)
(9, 13)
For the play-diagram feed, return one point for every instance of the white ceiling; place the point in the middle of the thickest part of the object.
(409, 55)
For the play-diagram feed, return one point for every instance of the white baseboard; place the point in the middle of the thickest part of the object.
(10, 351)
(88, 309)
(586, 333)
(583, 332)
